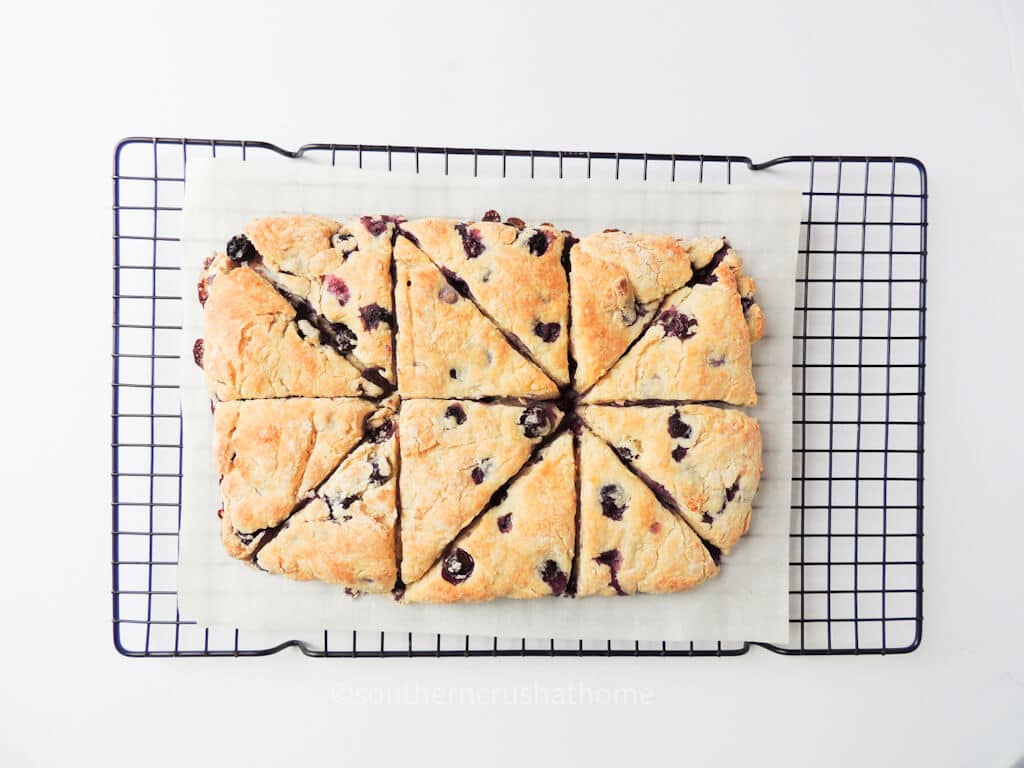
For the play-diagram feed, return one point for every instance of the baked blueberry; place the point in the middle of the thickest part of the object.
(456, 282)
(197, 352)
(539, 242)
(677, 427)
(344, 338)
(480, 471)
(706, 275)
(678, 453)
(613, 501)
(613, 560)
(707, 518)
(375, 227)
(547, 332)
(380, 471)
(554, 577)
(491, 215)
(514, 221)
(381, 432)
(373, 315)
(472, 241)
(447, 294)
(624, 452)
(456, 413)
(505, 523)
(730, 492)
(240, 249)
(677, 324)
(457, 566)
(537, 420)
(344, 242)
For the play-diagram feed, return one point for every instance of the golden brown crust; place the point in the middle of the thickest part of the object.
(516, 277)
(707, 459)
(349, 282)
(346, 533)
(698, 348)
(271, 453)
(521, 548)
(455, 455)
(628, 541)
(618, 279)
(253, 347)
(446, 347)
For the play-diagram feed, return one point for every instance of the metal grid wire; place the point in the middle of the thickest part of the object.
(858, 382)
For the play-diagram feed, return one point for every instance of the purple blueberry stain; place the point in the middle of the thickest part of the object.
(613, 560)
(677, 325)
(373, 315)
(337, 288)
(613, 501)
(457, 566)
(505, 523)
(472, 241)
(547, 332)
(677, 428)
(716, 362)
(706, 275)
(554, 577)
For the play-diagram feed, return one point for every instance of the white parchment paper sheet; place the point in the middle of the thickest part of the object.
(749, 600)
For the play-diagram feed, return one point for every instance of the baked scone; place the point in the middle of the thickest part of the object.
(446, 346)
(345, 534)
(271, 454)
(520, 548)
(698, 347)
(256, 344)
(342, 270)
(629, 542)
(514, 273)
(454, 456)
(618, 279)
(703, 461)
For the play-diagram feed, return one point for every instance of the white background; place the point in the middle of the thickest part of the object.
(934, 80)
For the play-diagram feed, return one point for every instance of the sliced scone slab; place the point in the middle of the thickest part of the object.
(345, 534)
(618, 279)
(704, 461)
(272, 454)
(629, 542)
(454, 456)
(698, 347)
(446, 346)
(342, 270)
(256, 345)
(514, 273)
(520, 548)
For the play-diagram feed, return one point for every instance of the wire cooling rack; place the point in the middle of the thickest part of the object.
(858, 396)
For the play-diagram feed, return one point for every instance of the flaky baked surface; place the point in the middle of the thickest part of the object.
(446, 346)
(522, 547)
(514, 274)
(629, 542)
(707, 460)
(454, 456)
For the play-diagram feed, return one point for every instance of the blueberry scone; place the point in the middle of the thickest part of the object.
(341, 270)
(454, 456)
(514, 273)
(698, 347)
(446, 346)
(345, 533)
(629, 542)
(704, 462)
(522, 547)
(618, 280)
(271, 454)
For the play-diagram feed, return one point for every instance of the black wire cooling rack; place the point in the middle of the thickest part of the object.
(858, 395)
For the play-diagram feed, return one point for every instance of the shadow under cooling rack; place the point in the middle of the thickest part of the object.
(858, 396)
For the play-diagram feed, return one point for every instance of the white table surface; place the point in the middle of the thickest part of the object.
(763, 79)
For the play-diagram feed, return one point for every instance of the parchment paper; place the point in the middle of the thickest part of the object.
(748, 601)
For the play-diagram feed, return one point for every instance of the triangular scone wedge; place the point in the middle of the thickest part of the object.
(521, 548)
(705, 461)
(618, 279)
(342, 269)
(271, 454)
(698, 348)
(255, 346)
(455, 455)
(629, 542)
(514, 273)
(446, 346)
(346, 533)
